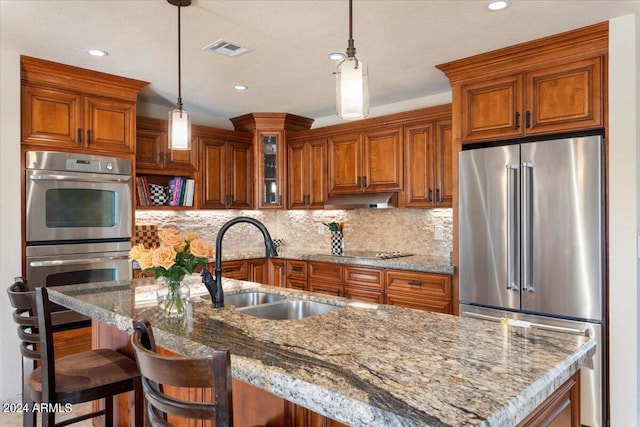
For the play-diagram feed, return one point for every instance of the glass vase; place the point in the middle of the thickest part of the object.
(173, 296)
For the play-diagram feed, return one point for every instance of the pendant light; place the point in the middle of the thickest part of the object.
(179, 119)
(352, 82)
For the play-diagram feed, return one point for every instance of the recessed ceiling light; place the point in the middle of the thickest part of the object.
(240, 87)
(97, 52)
(337, 56)
(495, 5)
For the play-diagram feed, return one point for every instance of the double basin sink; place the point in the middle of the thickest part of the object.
(269, 306)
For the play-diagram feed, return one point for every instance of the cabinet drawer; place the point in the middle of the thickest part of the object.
(325, 272)
(325, 288)
(361, 294)
(420, 302)
(235, 270)
(297, 270)
(364, 277)
(427, 284)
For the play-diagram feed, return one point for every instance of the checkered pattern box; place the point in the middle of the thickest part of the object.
(337, 243)
(147, 235)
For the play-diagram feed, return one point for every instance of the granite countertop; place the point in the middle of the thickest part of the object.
(364, 365)
(422, 263)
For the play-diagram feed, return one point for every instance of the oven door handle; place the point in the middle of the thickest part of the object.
(76, 261)
(63, 177)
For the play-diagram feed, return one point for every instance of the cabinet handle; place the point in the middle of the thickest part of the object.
(528, 119)
(430, 196)
(359, 182)
(415, 283)
(517, 120)
(364, 182)
(297, 269)
(89, 137)
(438, 198)
(229, 270)
(280, 200)
(79, 135)
(231, 199)
(167, 157)
(160, 157)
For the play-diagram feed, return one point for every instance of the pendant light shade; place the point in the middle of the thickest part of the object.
(352, 89)
(352, 82)
(179, 119)
(179, 130)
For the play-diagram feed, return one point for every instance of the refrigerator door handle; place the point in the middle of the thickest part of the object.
(513, 322)
(527, 227)
(512, 231)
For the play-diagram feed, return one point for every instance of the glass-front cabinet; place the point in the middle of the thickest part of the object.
(270, 132)
(271, 173)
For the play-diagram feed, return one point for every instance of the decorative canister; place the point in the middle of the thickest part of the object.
(337, 243)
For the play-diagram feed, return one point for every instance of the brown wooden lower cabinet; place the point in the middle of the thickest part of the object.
(424, 291)
(561, 409)
(72, 341)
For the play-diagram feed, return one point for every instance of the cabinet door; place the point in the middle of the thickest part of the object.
(51, 117)
(565, 97)
(345, 158)
(297, 270)
(317, 174)
(492, 110)
(182, 161)
(419, 161)
(270, 173)
(149, 143)
(383, 160)
(297, 179)
(240, 173)
(325, 272)
(109, 124)
(213, 176)
(278, 272)
(258, 270)
(443, 161)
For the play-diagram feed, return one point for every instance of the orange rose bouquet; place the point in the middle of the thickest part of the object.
(178, 254)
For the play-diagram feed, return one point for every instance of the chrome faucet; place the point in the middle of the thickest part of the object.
(215, 286)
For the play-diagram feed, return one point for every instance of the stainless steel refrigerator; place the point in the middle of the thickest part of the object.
(531, 242)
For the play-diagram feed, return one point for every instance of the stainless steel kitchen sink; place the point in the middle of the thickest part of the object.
(289, 309)
(247, 299)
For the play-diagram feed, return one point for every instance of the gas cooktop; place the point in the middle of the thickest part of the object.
(375, 255)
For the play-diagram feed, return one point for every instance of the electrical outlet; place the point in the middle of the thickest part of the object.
(321, 229)
(438, 233)
(252, 229)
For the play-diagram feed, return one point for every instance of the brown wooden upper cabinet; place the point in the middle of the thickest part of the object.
(554, 99)
(270, 133)
(152, 150)
(70, 108)
(226, 173)
(369, 161)
(307, 174)
(547, 86)
(428, 179)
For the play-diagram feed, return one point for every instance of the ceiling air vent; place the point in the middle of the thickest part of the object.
(226, 48)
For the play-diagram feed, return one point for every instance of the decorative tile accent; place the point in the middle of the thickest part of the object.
(146, 234)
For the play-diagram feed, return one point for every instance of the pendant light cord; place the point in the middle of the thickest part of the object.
(179, 105)
(351, 47)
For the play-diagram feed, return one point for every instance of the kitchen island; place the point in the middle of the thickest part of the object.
(364, 364)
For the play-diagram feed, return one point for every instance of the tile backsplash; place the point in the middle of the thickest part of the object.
(406, 230)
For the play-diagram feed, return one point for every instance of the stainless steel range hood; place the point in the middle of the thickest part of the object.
(360, 201)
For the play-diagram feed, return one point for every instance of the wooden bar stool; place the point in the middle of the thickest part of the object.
(157, 370)
(77, 378)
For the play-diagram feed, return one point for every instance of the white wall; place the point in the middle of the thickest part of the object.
(624, 218)
(10, 246)
(624, 187)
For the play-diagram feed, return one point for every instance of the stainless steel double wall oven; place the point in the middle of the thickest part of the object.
(79, 220)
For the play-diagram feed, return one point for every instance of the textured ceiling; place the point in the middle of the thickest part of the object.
(288, 70)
